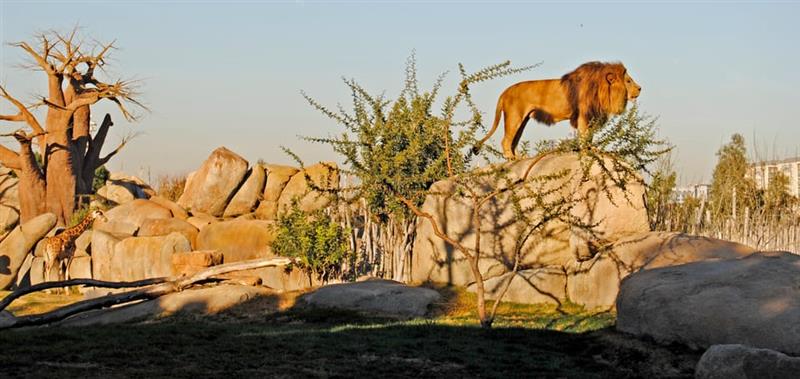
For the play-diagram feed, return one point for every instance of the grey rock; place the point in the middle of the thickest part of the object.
(214, 183)
(753, 301)
(16, 246)
(378, 296)
(743, 362)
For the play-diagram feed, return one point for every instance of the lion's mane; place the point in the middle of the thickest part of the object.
(591, 95)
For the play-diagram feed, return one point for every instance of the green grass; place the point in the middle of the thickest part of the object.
(260, 339)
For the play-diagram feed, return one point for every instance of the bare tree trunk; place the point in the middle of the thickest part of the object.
(78, 149)
(59, 176)
(32, 188)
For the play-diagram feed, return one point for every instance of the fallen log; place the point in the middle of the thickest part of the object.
(150, 291)
(76, 282)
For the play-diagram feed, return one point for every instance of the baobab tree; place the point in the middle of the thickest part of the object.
(70, 153)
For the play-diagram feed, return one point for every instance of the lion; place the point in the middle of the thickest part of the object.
(590, 93)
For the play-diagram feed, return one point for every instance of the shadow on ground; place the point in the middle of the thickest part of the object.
(268, 336)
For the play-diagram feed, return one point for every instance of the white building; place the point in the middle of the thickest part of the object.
(761, 172)
(697, 191)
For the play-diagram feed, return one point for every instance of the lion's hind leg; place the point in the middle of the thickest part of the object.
(514, 124)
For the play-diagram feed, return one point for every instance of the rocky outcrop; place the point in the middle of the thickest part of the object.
(18, 244)
(129, 217)
(277, 177)
(161, 227)
(595, 283)
(115, 194)
(177, 210)
(9, 188)
(739, 361)
(188, 263)
(238, 240)
(9, 217)
(374, 297)
(102, 254)
(323, 175)
(753, 301)
(616, 216)
(213, 185)
(246, 198)
(136, 258)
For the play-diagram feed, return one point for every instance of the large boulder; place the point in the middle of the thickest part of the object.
(102, 253)
(162, 227)
(177, 210)
(595, 283)
(16, 246)
(238, 240)
(742, 362)
(131, 216)
(615, 214)
(136, 258)
(277, 177)
(214, 183)
(376, 297)
(753, 301)
(9, 188)
(9, 217)
(115, 193)
(136, 186)
(323, 175)
(246, 198)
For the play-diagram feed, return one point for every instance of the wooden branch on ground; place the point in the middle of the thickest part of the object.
(151, 291)
(76, 282)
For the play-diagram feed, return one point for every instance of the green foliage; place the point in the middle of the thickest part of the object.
(777, 199)
(623, 148)
(659, 193)
(731, 190)
(101, 174)
(39, 160)
(78, 216)
(318, 241)
(398, 147)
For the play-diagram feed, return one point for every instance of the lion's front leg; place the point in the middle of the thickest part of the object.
(583, 126)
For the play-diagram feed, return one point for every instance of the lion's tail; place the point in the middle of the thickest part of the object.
(497, 112)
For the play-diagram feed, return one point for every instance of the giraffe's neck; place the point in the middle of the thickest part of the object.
(81, 227)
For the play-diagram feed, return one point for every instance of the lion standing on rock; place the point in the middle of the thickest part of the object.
(588, 94)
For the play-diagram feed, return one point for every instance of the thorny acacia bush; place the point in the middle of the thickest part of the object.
(396, 149)
(317, 241)
(403, 146)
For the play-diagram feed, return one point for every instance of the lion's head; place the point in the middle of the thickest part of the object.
(597, 90)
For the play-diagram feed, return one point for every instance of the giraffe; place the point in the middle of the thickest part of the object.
(60, 249)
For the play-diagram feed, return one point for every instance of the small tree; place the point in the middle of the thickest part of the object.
(317, 241)
(732, 190)
(660, 193)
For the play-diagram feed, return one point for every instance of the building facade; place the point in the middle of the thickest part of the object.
(761, 172)
(697, 191)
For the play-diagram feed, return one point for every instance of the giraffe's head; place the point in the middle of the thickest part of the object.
(98, 215)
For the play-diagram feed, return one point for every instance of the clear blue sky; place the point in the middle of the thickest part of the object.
(230, 73)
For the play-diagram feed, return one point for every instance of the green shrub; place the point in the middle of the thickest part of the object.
(101, 174)
(315, 239)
